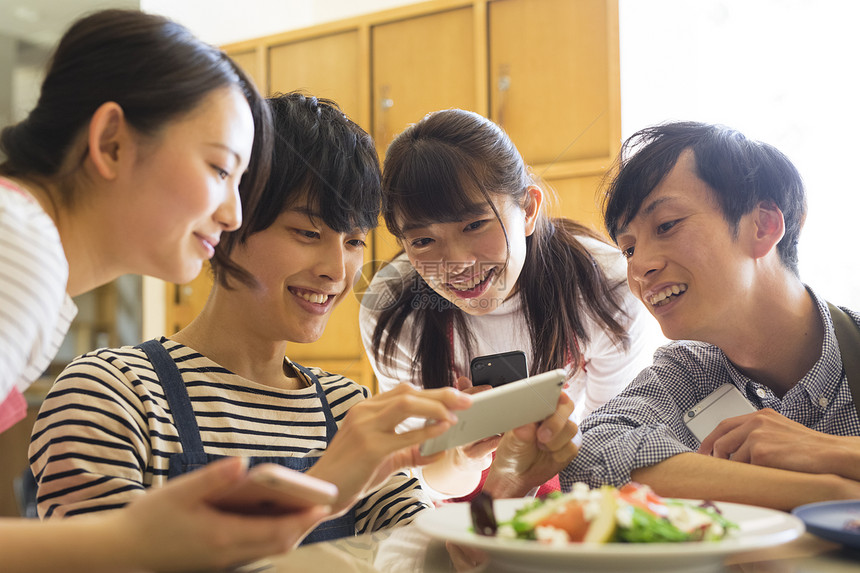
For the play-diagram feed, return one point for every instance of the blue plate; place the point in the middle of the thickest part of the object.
(829, 519)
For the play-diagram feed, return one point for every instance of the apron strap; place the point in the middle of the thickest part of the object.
(330, 425)
(177, 395)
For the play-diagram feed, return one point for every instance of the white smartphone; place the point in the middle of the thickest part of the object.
(501, 409)
(270, 489)
(724, 402)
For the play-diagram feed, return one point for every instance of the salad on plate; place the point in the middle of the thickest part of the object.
(630, 514)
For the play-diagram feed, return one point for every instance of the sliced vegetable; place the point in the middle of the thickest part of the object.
(526, 519)
(645, 527)
(604, 525)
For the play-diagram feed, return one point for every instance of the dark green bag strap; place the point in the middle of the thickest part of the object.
(848, 337)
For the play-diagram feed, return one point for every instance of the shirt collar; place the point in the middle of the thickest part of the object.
(817, 382)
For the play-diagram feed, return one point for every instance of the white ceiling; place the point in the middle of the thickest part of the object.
(42, 22)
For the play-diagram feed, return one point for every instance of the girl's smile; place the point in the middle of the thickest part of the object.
(474, 286)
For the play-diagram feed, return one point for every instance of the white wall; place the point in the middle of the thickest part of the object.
(226, 21)
(782, 71)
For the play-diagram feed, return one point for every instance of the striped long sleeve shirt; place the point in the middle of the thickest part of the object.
(105, 432)
(35, 311)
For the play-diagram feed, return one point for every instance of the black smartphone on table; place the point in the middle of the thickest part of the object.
(499, 369)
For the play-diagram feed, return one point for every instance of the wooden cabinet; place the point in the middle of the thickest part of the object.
(421, 64)
(555, 88)
(549, 73)
(13, 451)
(328, 66)
(545, 70)
(185, 301)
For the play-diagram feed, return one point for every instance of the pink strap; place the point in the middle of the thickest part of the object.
(6, 184)
(12, 410)
(451, 350)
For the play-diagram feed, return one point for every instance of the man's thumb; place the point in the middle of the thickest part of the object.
(525, 435)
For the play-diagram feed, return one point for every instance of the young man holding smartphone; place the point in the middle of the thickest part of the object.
(709, 222)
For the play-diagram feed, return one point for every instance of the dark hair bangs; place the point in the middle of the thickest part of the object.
(642, 163)
(437, 187)
(345, 202)
(320, 162)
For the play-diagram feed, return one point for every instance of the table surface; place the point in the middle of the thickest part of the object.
(406, 549)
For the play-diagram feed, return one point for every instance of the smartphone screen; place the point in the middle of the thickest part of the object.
(499, 369)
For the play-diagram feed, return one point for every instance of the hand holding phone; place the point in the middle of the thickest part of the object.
(270, 489)
(499, 369)
(501, 409)
(724, 402)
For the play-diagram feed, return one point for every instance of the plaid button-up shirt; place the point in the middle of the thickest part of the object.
(644, 425)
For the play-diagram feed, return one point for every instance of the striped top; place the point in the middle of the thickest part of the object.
(105, 432)
(35, 311)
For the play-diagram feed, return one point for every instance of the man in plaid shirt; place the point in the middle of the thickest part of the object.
(709, 222)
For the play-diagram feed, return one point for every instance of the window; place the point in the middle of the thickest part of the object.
(781, 71)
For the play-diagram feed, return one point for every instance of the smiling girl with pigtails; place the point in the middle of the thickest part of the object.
(485, 270)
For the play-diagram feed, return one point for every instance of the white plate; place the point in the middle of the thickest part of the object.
(759, 527)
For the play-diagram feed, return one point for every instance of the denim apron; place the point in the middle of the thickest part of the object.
(194, 457)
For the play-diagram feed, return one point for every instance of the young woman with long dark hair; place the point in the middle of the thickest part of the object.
(486, 270)
(129, 163)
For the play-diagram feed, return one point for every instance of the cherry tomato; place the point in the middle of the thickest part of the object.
(570, 519)
(641, 496)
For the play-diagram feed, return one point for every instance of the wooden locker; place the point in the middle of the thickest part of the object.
(552, 77)
(327, 66)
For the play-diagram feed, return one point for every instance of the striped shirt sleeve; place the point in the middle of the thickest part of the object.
(397, 502)
(35, 311)
(90, 449)
(106, 431)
